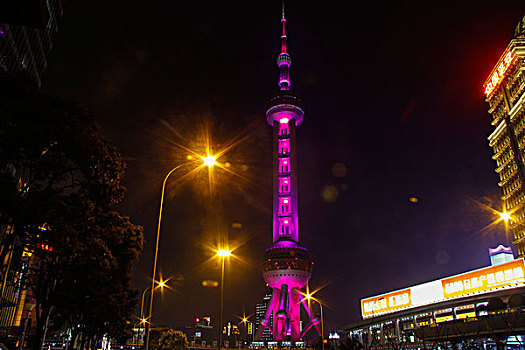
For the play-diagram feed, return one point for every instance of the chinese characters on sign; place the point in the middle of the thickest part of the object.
(484, 280)
(498, 74)
(387, 302)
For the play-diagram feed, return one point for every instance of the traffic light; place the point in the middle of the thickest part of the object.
(250, 327)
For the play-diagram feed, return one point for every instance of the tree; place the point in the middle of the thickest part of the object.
(167, 339)
(58, 180)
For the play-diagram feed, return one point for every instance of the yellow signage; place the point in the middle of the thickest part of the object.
(250, 328)
(484, 280)
(386, 302)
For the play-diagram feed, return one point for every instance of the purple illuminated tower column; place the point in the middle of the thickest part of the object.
(287, 266)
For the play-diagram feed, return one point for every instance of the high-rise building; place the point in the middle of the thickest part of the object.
(27, 29)
(505, 93)
(287, 267)
(260, 310)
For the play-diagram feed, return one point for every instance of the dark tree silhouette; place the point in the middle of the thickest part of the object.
(167, 339)
(58, 181)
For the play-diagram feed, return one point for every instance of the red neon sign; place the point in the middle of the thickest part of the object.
(498, 74)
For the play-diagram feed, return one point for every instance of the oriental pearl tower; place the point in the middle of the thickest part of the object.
(287, 266)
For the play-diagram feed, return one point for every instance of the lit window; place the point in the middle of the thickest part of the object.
(284, 165)
(284, 185)
(284, 228)
(284, 205)
(284, 146)
(284, 129)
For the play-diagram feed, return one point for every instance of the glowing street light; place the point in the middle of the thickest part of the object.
(505, 216)
(309, 296)
(208, 162)
(245, 320)
(223, 254)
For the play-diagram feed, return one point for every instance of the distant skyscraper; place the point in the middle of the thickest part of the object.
(505, 93)
(287, 266)
(260, 310)
(27, 29)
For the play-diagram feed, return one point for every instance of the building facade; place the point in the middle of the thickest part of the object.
(505, 94)
(26, 40)
(260, 310)
(287, 267)
(479, 307)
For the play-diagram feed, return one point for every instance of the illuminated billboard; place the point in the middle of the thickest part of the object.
(498, 73)
(480, 281)
(387, 302)
(484, 280)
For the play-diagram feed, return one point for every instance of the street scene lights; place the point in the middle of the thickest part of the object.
(208, 161)
(309, 296)
(223, 254)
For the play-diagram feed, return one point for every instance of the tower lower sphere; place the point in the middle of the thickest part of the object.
(286, 270)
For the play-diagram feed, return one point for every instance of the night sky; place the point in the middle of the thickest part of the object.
(394, 110)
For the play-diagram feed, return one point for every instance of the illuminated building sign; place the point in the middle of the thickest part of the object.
(386, 302)
(481, 281)
(484, 280)
(498, 74)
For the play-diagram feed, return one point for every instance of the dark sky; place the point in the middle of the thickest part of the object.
(394, 109)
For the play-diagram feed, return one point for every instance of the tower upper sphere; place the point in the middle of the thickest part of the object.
(285, 106)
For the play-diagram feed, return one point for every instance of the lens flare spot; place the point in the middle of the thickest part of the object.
(330, 193)
(339, 170)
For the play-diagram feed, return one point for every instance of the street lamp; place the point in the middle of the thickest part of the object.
(505, 216)
(309, 297)
(161, 284)
(223, 254)
(208, 161)
(245, 320)
(142, 325)
(142, 304)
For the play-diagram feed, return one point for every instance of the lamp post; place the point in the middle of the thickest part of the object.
(142, 304)
(208, 161)
(310, 296)
(244, 320)
(143, 320)
(223, 254)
